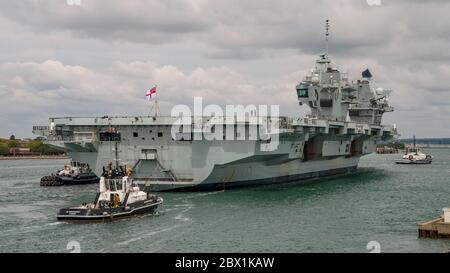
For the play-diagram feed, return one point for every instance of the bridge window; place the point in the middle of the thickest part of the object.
(135, 134)
(160, 134)
(302, 93)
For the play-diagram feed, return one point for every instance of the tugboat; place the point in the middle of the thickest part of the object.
(118, 198)
(73, 174)
(414, 156)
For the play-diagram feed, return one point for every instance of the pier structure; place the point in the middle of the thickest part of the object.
(437, 228)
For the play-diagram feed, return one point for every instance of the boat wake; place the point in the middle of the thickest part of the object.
(181, 217)
(54, 223)
(144, 236)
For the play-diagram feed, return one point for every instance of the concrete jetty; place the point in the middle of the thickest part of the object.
(437, 228)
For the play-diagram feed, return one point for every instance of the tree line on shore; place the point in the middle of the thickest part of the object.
(34, 147)
(393, 145)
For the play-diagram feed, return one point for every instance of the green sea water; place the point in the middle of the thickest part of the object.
(382, 202)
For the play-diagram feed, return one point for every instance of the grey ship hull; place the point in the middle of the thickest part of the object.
(244, 174)
(222, 165)
(298, 178)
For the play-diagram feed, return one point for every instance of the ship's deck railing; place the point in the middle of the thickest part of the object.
(60, 138)
(41, 130)
(144, 179)
(284, 122)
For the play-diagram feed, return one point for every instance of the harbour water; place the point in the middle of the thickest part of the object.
(383, 202)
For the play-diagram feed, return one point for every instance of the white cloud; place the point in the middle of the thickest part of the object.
(34, 91)
(92, 59)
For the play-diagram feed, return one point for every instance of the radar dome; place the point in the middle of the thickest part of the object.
(379, 91)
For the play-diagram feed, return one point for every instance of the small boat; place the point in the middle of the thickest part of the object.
(74, 174)
(414, 156)
(118, 198)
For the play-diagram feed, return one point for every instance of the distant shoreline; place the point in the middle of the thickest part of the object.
(43, 157)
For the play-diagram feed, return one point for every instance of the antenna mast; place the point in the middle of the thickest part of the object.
(327, 34)
(155, 105)
(116, 150)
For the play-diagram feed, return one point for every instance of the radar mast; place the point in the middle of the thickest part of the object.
(327, 34)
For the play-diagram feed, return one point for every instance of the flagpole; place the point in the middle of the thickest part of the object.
(151, 110)
(155, 103)
(156, 106)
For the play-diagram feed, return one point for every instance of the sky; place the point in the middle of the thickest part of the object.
(99, 57)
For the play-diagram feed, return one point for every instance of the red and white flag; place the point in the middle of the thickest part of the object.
(151, 93)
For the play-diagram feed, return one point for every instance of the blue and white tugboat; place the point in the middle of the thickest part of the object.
(76, 173)
(118, 198)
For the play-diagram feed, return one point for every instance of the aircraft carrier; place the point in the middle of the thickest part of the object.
(344, 124)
